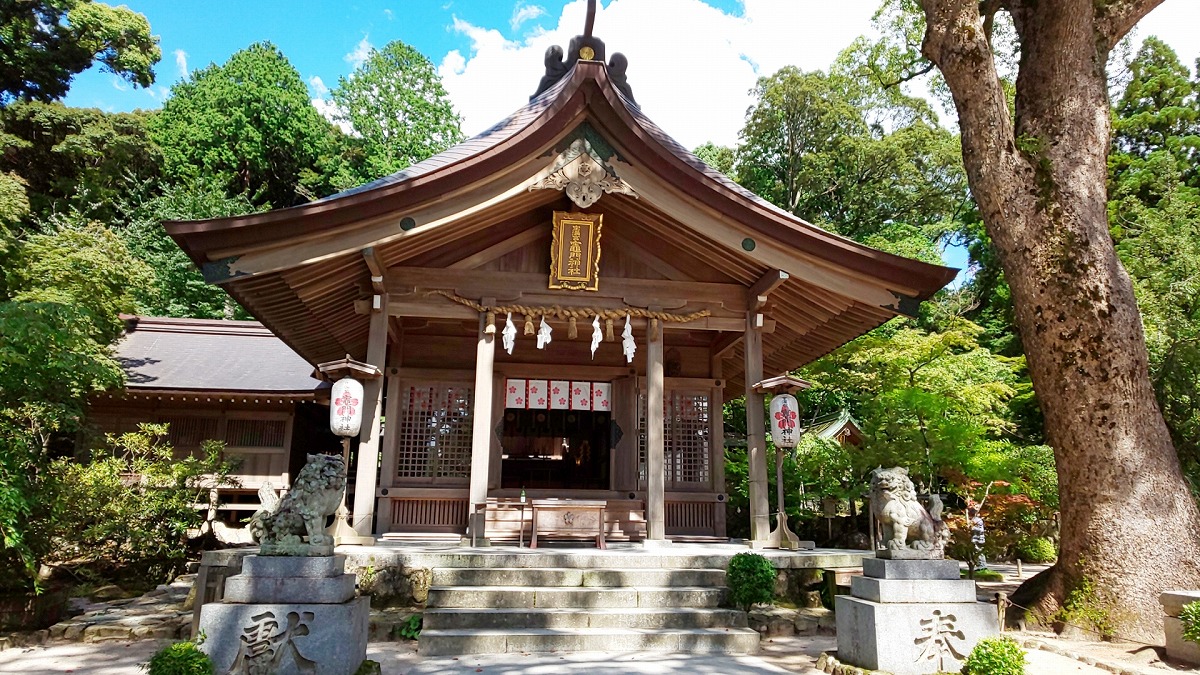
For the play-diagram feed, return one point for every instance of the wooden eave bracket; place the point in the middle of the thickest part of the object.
(376, 267)
(781, 383)
(756, 297)
(331, 371)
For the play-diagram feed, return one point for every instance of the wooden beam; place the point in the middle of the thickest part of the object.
(376, 267)
(756, 298)
(476, 283)
(502, 248)
(756, 436)
(725, 342)
(655, 441)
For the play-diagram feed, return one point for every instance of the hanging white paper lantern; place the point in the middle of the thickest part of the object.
(345, 407)
(785, 421)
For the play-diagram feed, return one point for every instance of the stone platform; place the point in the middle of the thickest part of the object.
(287, 615)
(911, 617)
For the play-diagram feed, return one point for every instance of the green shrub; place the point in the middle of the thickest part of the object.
(995, 656)
(1036, 550)
(181, 658)
(751, 579)
(1190, 617)
(411, 628)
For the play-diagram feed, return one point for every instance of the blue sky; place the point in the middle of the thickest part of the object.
(692, 62)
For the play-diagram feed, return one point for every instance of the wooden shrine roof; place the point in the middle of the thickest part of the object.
(301, 270)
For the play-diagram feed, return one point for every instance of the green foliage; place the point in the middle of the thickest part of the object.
(178, 288)
(1083, 608)
(1154, 216)
(396, 103)
(851, 157)
(926, 400)
(719, 157)
(751, 580)
(248, 124)
(1037, 550)
(180, 658)
(995, 656)
(44, 43)
(128, 508)
(411, 628)
(1189, 616)
(86, 265)
(76, 158)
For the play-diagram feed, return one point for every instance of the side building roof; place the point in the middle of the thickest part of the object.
(212, 356)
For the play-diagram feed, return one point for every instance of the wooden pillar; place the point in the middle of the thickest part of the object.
(366, 478)
(655, 475)
(716, 419)
(756, 432)
(391, 442)
(481, 428)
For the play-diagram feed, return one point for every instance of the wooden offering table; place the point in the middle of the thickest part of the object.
(574, 518)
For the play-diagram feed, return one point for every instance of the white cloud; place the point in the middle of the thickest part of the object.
(181, 63)
(691, 66)
(389, 14)
(318, 86)
(360, 53)
(119, 84)
(523, 13)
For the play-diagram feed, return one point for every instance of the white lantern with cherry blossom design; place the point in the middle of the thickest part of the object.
(785, 421)
(345, 407)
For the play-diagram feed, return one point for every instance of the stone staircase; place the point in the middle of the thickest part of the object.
(572, 607)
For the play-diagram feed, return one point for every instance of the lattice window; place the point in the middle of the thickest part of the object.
(187, 432)
(686, 430)
(687, 439)
(434, 432)
(255, 433)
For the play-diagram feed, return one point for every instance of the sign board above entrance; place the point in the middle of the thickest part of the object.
(575, 251)
(558, 395)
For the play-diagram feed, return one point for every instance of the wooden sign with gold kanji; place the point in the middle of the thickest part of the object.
(575, 251)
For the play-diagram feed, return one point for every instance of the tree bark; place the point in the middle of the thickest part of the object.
(1129, 523)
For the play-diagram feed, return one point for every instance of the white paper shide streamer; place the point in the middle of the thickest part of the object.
(597, 336)
(627, 344)
(543, 334)
(509, 334)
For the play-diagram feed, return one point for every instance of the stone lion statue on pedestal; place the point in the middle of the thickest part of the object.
(903, 521)
(316, 494)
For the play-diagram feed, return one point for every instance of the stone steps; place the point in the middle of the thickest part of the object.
(574, 617)
(572, 607)
(445, 642)
(565, 597)
(518, 576)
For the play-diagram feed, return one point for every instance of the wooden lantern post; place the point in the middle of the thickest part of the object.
(345, 419)
(785, 433)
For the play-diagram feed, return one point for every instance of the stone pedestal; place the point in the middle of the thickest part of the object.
(286, 616)
(911, 617)
(1177, 647)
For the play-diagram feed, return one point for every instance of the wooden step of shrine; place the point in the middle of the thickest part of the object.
(487, 610)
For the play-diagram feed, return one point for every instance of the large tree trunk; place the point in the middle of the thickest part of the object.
(1129, 523)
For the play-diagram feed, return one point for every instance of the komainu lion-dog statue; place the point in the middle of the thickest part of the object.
(314, 496)
(904, 523)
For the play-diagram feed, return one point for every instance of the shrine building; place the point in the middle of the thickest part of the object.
(559, 307)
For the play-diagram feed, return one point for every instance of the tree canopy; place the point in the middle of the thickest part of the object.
(45, 43)
(248, 123)
(395, 102)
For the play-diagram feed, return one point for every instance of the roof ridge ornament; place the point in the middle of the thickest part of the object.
(582, 175)
(584, 47)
